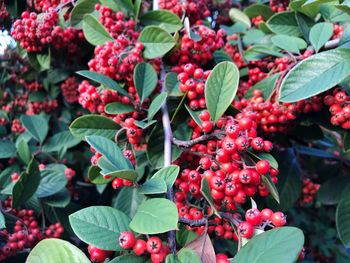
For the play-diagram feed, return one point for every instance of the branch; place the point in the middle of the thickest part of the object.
(196, 223)
(190, 143)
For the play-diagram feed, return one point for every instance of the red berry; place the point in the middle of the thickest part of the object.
(127, 240)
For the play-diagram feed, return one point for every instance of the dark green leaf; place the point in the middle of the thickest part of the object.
(292, 44)
(128, 200)
(237, 15)
(26, 185)
(80, 9)
(333, 190)
(168, 174)
(172, 85)
(203, 247)
(60, 199)
(153, 186)
(205, 191)
(343, 221)
(186, 255)
(7, 149)
(145, 79)
(221, 56)
(221, 88)
(260, 51)
(128, 259)
(53, 180)
(156, 104)
(267, 86)
(154, 216)
(157, 42)
(266, 180)
(259, 10)
(2, 221)
(95, 176)
(315, 74)
(93, 125)
(44, 60)
(194, 115)
(60, 140)
(265, 156)
(36, 125)
(104, 80)
(284, 23)
(100, 226)
(130, 175)
(24, 151)
(94, 32)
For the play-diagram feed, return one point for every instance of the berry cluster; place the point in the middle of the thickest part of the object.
(279, 5)
(26, 232)
(35, 34)
(339, 107)
(337, 31)
(69, 90)
(257, 20)
(198, 51)
(98, 255)
(45, 5)
(189, 8)
(16, 127)
(309, 191)
(232, 50)
(153, 246)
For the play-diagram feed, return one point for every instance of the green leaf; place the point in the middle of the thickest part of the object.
(194, 115)
(156, 104)
(110, 151)
(80, 10)
(320, 34)
(33, 60)
(253, 36)
(53, 180)
(44, 60)
(94, 32)
(205, 191)
(61, 199)
(284, 23)
(259, 10)
(171, 258)
(221, 56)
(145, 125)
(145, 79)
(54, 250)
(221, 88)
(153, 186)
(137, 8)
(289, 180)
(104, 80)
(315, 74)
(184, 236)
(2, 221)
(118, 108)
(281, 244)
(292, 44)
(344, 7)
(154, 216)
(332, 191)
(7, 149)
(260, 51)
(157, 42)
(203, 247)
(172, 85)
(95, 176)
(26, 185)
(93, 125)
(60, 140)
(305, 24)
(168, 174)
(128, 200)
(36, 125)
(128, 259)
(24, 151)
(265, 156)
(267, 86)
(266, 180)
(342, 221)
(100, 226)
(237, 15)
(186, 255)
(162, 18)
(130, 175)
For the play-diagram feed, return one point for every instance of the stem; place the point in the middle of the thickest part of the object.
(190, 143)
(196, 223)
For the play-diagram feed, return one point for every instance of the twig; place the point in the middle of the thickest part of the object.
(196, 223)
(190, 143)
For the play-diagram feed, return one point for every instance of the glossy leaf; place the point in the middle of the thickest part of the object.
(94, 32)
(130, 175)
(60, 140)
(320, 34)
(266, 180)
(100, 226)
(44, 60)
(7, 149)
(128, 200)
(267, 86)
(221, 88)
(315, 74)
(162, 18)
(54, 250)
(277, 245)
(24, 151)
(36, 125)
(53, 180)
(153, 186)
(88, 125)
(259, 10)
(80, 9)
(157, 42)
(60, 199)
(221, 56)
(154, 216)
(205, 191)
(145, 79)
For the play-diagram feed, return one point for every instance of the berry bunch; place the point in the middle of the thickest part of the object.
(337, 31)
(45, 5)
(199, 51)
(309, 191)
(279, 5)
(69, 90)
(98, 255)
(339, 107)
(153, 246)
(189, 8)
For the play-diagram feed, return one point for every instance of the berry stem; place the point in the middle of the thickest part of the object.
(190, 143)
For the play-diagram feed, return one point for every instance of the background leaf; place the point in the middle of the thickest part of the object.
(320, 34)
(343, 221)
(145, 79)
(162, 18)
(284, 23)
(36, 125)
(94, 32)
